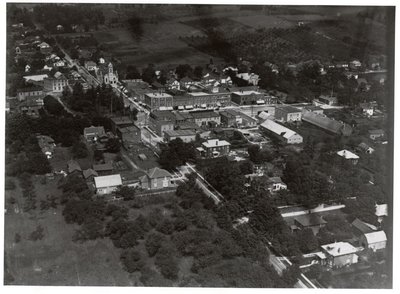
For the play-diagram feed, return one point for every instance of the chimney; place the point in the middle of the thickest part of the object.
(216, 143)
(338, 250)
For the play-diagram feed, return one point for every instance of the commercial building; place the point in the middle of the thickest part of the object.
(161, 121)
(185, 135)
(281, 132)
(55, 84)
(247, 97)
(121, 122)
(230, 117)
(92, 133)
(202, 118)
(33, 92)
(287, 113)
(328, 124)
(129, 136)
(159, 101)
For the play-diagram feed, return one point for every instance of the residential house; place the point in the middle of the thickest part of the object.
(327, 100)
(374, 240)
(89, 175)
(185, 135)
(31, 106)
(339, 254)
(244, 97)
(161, 121)
(281, 132)
(367, 108)
(250, 78)
(92, 133)
(159, 101)
(186, 82)
(207, 117)
(287, 113)
(214, 148)
(327, 124)
(33, 92)
(355, 64)
(375, 134)
(90, 65)
(310, 221)
(360, 228)
(348, 155)
(121, 122)
(363, 147)
(129, 136)
(35, 79)
(103, 169)
(173, 84)
(275, 184)
(56, 84)
(74, 167)
(47, 145)
(157, 178)
(381, 211)
(107, 184)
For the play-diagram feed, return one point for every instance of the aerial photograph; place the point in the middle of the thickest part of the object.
(198, 145)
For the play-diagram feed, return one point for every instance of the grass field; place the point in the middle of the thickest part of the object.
(56, 259)
(263, 21)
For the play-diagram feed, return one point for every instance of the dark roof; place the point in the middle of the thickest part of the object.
(163, 115)
(204, 114)
(30, 89)
(103, 167)
(376, 132)
(73, 166)
(121, 120)
(309, 220)
(89, 172)
(288, 109)
(94, 130)
(361, 226)
(156, 173)
(186, 80)
(326, 123)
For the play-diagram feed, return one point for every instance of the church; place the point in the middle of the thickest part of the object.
(105, 74)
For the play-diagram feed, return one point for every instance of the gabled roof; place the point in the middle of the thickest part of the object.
(376, 132)
(215, 143)
(278, 129)
(108, 181)
(89, 172)
(288, 109)
(186, 80)
(73, 166)
(309, 220)
(94, 130)
(361, 226)
(156, 173)
(347, 154)
(381, 209)
(375, 237)
(326, 123)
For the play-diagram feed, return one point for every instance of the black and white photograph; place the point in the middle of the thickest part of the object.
(198, 145)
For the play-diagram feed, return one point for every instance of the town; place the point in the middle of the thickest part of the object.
(242, 168)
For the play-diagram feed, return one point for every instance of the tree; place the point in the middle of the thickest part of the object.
(132, 260)
(306, 240)
(52, 106)
(183, 70)
(166, 227)
(113, 145)
(198, 72)
(92, 228)
(291, 275)
(153, 243)
(148, 74)
(176, 153)
(132, 73)
(167, 262)
(127, 193)
(37, 234)
(79, 150)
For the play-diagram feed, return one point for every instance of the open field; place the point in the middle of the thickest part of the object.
(56, 259)
(263, 21)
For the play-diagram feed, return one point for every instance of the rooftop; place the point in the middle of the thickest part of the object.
(204, 114)
(375, 237)
(339, 248)
(30, 89)
(121, 120)
(158, 95)
(277, 129)
(347, 154)
(325, 122)
(94, 130)
(157, 172)
(103, 167)
(244, 93)
(381, 209)
(176, 133)
(108, 181)
(129, 129)
(376, 132)
(215, 143)
(199, 94)
(288, 109)
(309, 220)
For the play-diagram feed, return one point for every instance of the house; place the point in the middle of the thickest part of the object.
(107, 184)
(327, 100)
(56, 84)
(381, 211)
(339, 254)
(31, 106)
(90, 65)
(287, 113)
(348, 155)
(247, 97)
(74, 167)
(161, 121)
(129, 136)
(314, 109)
(59, 28)
(281, 132)
(186, 82)
(251, 78)
(35, 78)
(326, 123)
(363, 147)
(159, 101)
(103, 169)
(92, 133)
(374, 240)
(160, 88)
(33, 92)
(355, 64)
(106, 75)
(214, 148)
(310, 221)
(89, 174)
(275, 184)
(360, 228)
(120, 122)
(185, 135)
(202, 118)
(375, 134)
(173, 84)
(156, 178)
(367, 108)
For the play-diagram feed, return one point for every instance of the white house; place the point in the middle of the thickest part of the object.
(348, 155)
(285, 134)
(374, 240)
(107, 184)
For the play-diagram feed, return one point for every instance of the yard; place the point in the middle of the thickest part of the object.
(150, 161)
(56, 259)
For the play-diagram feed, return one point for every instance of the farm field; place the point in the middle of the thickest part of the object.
(264, 21)
(56, 259)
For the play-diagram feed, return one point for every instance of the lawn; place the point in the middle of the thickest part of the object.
(150, 162)
(56, 259)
